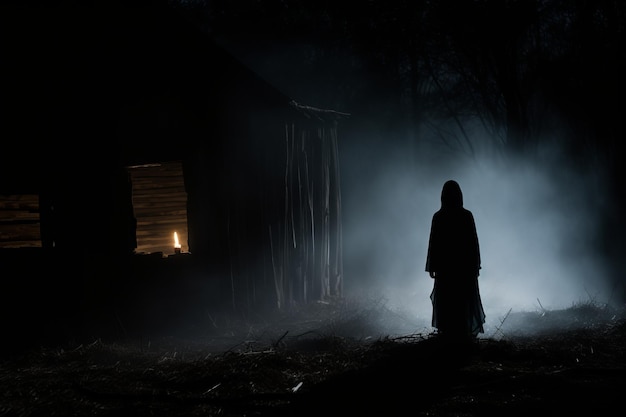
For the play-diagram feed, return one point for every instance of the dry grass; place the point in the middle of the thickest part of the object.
(320, 360)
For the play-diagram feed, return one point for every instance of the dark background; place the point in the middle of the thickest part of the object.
(520, 101)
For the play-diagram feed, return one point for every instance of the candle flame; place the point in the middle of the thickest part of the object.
(176, 242)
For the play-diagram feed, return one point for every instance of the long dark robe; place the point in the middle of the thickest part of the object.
(454, 255)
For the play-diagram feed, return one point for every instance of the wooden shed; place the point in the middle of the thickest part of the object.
(124, 125)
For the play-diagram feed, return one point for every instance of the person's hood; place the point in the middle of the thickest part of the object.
(451, 195)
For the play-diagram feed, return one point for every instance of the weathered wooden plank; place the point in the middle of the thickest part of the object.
(160, 220)
(15, 244)
(162, 211)
(165, 233)
(165, 236)
(164, 189)
(154, 240)
(142, 186)
(24, 202)
(153, 172)
(158, 198)
(19, 205)
(24, 198)
(166, 248)
(148, 219)
(165, 227)
(18, 215)
(22, 231)
(152, 205)
(163, 230)
(158, 179)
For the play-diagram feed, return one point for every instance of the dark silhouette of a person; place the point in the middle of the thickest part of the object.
(453, 261)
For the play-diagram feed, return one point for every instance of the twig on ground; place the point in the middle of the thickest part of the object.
(543, 310)
(499, 328)
(277, 343)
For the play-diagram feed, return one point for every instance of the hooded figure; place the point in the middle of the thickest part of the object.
(453, 261)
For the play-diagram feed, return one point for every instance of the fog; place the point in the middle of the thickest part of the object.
(537, 220)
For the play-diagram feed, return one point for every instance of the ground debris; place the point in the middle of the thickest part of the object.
(577, 366)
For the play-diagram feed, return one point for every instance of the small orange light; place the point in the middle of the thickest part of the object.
(176, 243)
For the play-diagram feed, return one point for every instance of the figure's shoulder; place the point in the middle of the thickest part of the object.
(467, 212)
(456, 211)
(469, 217)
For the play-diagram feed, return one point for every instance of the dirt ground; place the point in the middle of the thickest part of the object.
(567, 362)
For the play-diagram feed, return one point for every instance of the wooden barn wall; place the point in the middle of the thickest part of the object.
(283, 222)
(69, 141)
(19, 221)
(308, 250)
(160, 207)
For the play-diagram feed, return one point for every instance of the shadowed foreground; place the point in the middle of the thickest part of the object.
(578, 369)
